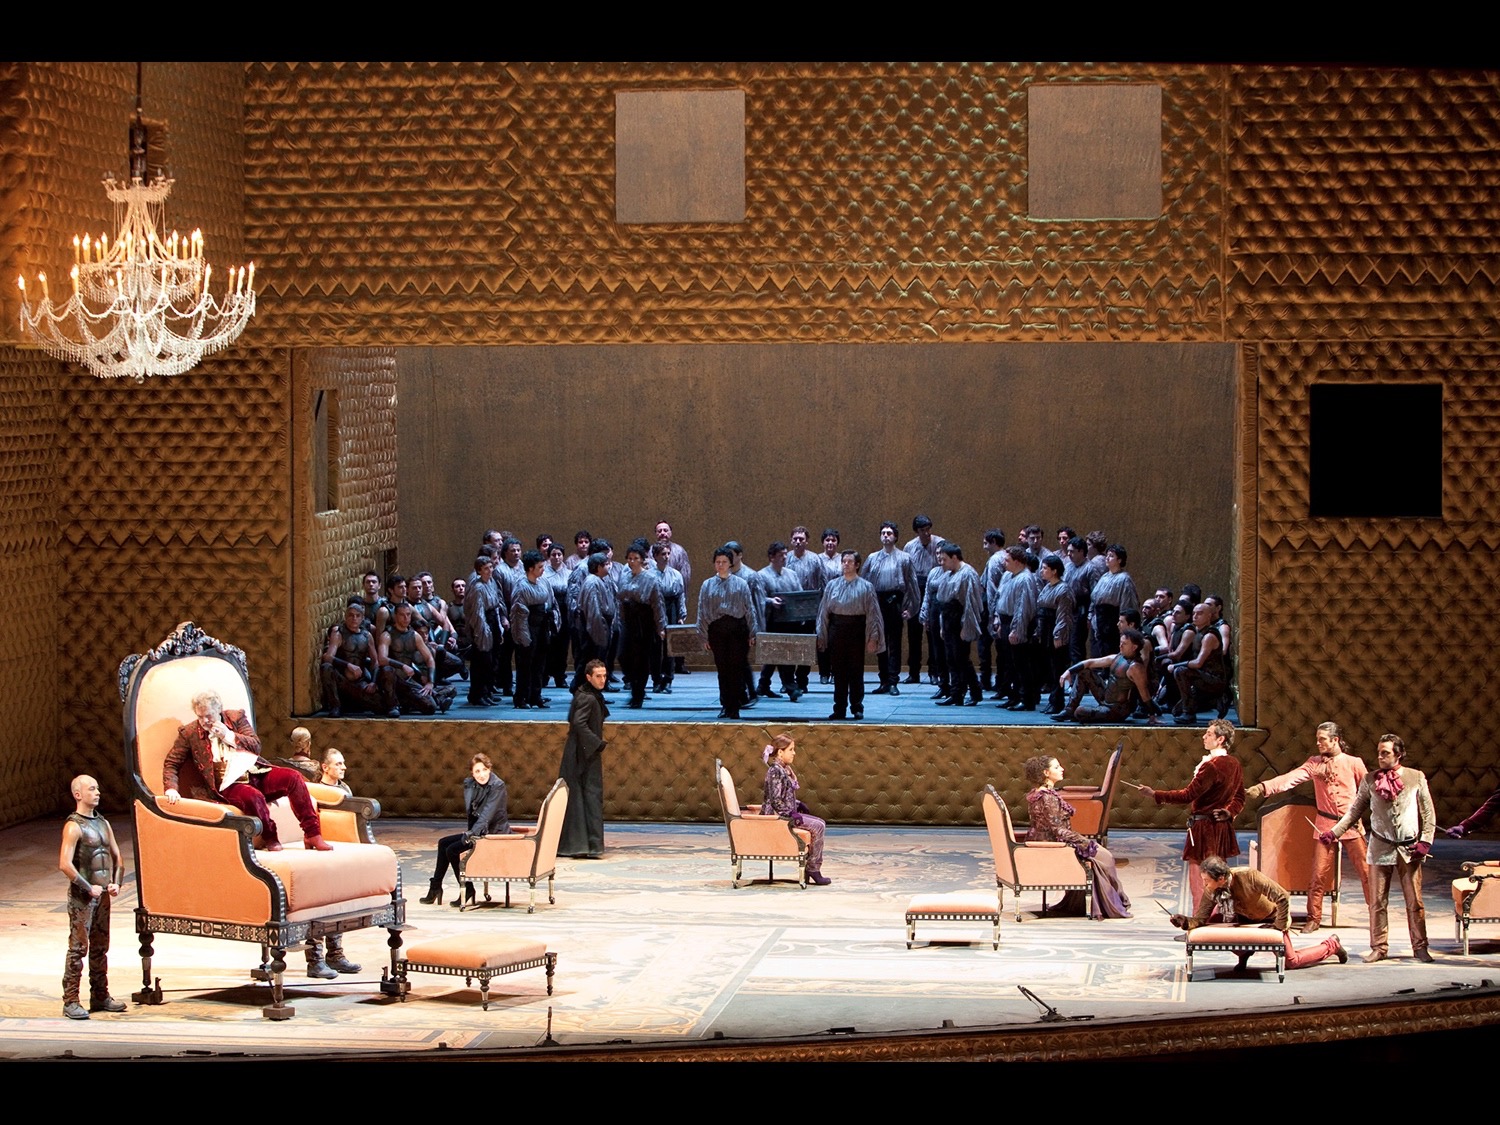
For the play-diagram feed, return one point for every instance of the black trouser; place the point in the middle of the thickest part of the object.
(937, 646)
(1107, 628)
(635, 650)
(557, 644)
(729, 638)
(986, 643)
(481, 674)
(1078, 647)
(890, 617)
(531, 660)
(1007, 671)
(960, 668)
(846, 657)
(450, 853)
(804, 628)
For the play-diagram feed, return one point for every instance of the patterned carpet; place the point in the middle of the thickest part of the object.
(654, 946)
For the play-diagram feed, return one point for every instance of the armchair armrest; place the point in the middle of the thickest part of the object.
(1037, 844)
(210, 812)
(758, 815)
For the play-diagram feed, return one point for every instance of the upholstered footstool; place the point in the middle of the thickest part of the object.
(954, 906)
(476, 957)
(1241, 940)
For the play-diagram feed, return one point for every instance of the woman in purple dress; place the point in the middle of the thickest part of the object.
(1052, 820)
(781, 800)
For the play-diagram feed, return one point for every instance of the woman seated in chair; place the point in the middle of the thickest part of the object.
(781, 800)
(1052, 820)
(487, 804)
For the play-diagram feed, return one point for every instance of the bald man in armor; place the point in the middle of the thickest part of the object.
(92, 862)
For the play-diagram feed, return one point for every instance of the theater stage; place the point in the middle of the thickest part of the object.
(658, 957)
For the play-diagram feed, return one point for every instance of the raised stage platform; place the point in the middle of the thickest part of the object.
(659, 958)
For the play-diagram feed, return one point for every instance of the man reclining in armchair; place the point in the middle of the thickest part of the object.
(212, 743)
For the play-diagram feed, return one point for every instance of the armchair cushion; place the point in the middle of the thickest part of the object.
(318, 880)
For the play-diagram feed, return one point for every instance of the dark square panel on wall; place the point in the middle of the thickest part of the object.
(1094, 151)
(1375, 451)
(680, 156)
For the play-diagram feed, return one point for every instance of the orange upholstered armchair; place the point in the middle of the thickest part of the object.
(197, 872)
(1285, 848)
(1476, 898)
(1092, 803)
(527, 857)
(753, 835)
(1048, 866)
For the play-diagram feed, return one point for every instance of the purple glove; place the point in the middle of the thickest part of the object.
(1421, 849)
(1454, 833)
(1327, 838)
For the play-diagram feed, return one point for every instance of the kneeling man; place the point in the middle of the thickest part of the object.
(1243, 896)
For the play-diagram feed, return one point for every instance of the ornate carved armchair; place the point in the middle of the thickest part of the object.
(527, 857)
(1092, 803)
(753, 835)
(1476, 898)
(1043, 866)
(197, 873)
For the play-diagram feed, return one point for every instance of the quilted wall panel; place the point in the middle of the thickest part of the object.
(1362, 203)
(173, 505)
(851, 772)
(474, 203)
(336, 547)
(32, 776)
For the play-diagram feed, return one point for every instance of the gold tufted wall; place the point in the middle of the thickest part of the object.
(851, 773)
(32, 777)
(1335, 223)
(334, 547)
(474, 203)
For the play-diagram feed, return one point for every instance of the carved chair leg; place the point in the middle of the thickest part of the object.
(551, 889)
(149, 993)
(278, 1008)
(393, 980)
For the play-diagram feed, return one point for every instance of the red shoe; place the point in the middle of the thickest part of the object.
(316, 844)
(273, 847)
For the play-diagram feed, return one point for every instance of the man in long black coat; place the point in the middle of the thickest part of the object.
(583, 767)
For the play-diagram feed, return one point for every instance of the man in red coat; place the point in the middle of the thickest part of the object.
(211, 742)
(1214, 798)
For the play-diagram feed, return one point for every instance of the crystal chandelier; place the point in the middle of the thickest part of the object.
(141, 304)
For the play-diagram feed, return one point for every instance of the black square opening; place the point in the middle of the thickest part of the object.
(1376, 450)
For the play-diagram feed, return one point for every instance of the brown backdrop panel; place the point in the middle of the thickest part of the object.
(747, 441)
